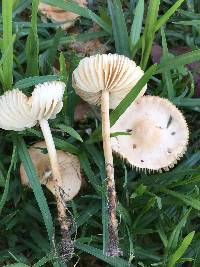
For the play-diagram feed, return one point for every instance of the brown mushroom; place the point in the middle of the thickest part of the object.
(69, 168)
(59, 15)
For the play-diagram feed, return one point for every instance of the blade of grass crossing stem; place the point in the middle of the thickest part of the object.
(178, 61)
(166, 74)
(7, 7)
(113, 261)
(6, 188)
(162, 20)
(35, 185)
(181, 250)
(136, 27)
(32, 44)
(149, 31)
(120, 32)
(125, 103)
(82, 11)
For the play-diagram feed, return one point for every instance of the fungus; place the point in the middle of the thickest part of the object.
(159, 134)
(59, 15)
(105, 80)
(69, 168)
(17, 112)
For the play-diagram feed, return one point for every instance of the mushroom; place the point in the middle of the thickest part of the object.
(105, 80)
(158, 134)
(17, 112)
(69, 168)
(59, 15)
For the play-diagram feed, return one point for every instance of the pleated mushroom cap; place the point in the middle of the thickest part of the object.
(59, 15)
(15, 113)
(18, 112)
(69, 168)
(158, 134)
(46, 100)
(115, 73)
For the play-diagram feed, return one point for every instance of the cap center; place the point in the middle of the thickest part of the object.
(146, 134)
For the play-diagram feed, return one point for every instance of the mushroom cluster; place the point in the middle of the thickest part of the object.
(18, 112)
(105, 80)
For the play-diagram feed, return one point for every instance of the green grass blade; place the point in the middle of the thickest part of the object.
(120, 33)
(7, 41)
(125, 103)
(178, 61)
(74, 38)
(166, 74)
(113, 261)
(31, 81)
(32, 44)
(181, 250)
(77, 9)
(188, 200)
(149, 31)
(7, 183)
(136, 27)
(195, 23)
(162, 20)
(35, 184)
(70, 131)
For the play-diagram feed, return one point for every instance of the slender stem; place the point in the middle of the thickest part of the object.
(112, 249)
(62, 217)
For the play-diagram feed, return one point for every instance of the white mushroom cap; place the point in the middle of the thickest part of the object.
(57, 14)
(158, 134)
(15, 112)
(69, 168)
(115, 73)
(18, 112)
(46, 101)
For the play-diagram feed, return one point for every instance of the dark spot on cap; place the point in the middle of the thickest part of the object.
(134, 146)
(142, 160)
(169, 151)
(173, 133)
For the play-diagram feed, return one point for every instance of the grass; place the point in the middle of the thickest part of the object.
(158, 213)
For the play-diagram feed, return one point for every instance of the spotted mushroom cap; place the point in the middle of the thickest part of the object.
(158, 134)
(115, 73)
(46, 100)
(18, 112)
(69, 167)
(59, 15)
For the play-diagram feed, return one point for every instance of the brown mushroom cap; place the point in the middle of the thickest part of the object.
(69, 168)
(114, 73)
(57, 14)
(158, 134)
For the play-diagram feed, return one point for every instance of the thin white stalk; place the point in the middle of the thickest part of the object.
(64, 223)
(112, 249)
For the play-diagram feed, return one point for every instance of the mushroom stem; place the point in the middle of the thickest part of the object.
(62, 217)
(112, 249)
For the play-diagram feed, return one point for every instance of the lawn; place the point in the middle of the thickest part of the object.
(157, 208)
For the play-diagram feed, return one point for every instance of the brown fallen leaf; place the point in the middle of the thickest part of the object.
(59, 15)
